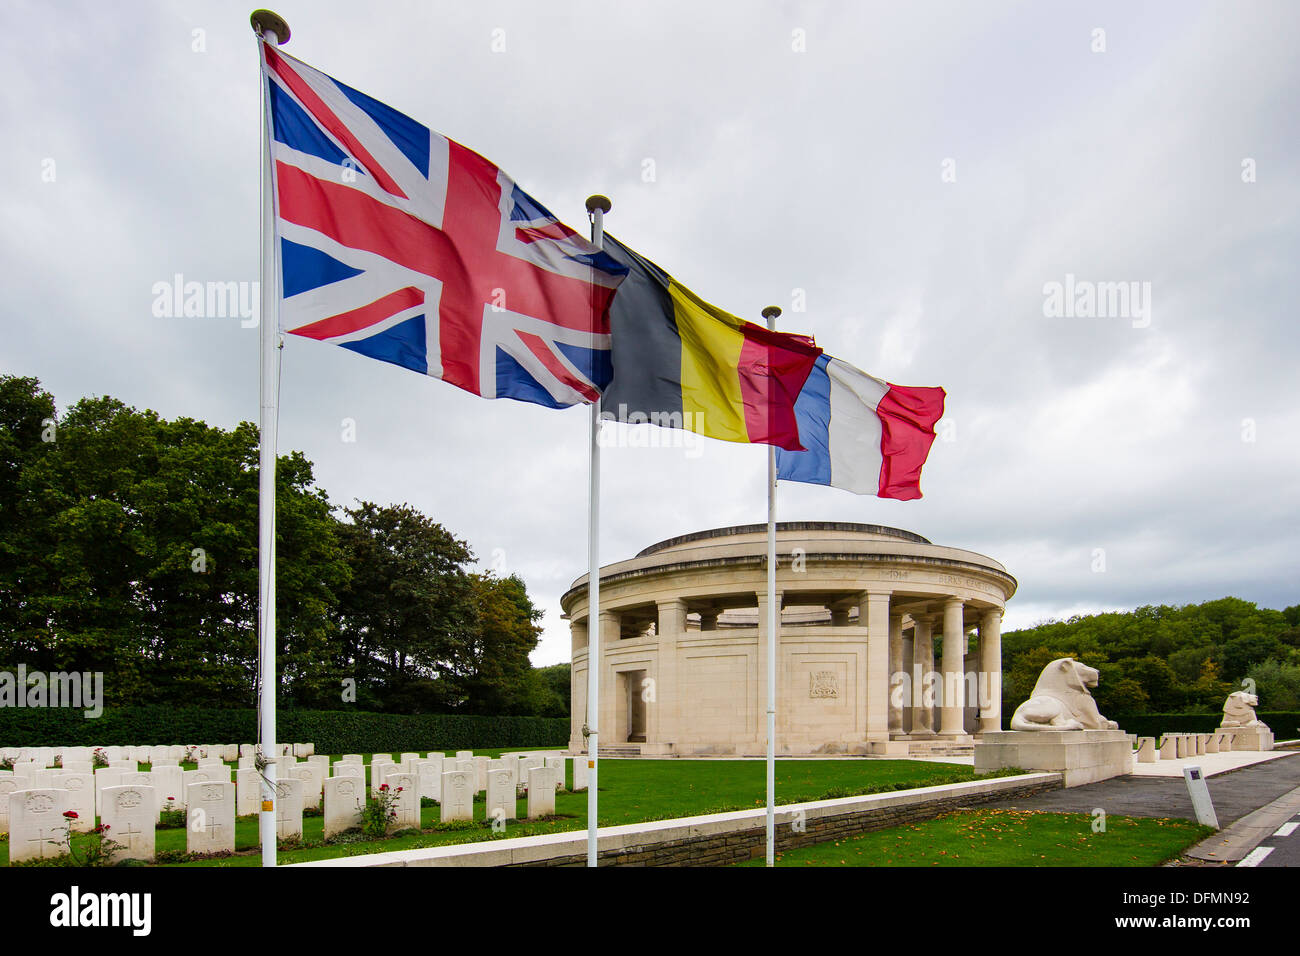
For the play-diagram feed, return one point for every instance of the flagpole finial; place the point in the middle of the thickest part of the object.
(268, 21)
(772, 312)
(599, 202)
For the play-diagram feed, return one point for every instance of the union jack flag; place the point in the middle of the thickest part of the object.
(400, 244)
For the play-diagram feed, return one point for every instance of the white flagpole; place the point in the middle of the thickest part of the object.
(597, 206)
(273, 30)
(773, 616)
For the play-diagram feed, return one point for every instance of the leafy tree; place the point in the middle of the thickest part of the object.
(556, 681)
(1180, 658)
(496, 676)
(406, 617)
(135, 555)
(129, 546)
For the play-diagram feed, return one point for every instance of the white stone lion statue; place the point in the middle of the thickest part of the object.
(1239, 710)
(1061, 700)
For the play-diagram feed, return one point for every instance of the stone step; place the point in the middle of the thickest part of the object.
(620, 751)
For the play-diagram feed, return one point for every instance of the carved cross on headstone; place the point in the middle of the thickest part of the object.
(131, 833)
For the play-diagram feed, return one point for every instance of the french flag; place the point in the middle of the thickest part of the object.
(862, 434)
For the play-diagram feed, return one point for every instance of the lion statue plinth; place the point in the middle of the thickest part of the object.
(1239, 711)
(1061, 700)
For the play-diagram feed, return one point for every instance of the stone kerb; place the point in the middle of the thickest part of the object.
(715, 838)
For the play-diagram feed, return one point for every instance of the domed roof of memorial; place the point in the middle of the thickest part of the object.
(876, 531)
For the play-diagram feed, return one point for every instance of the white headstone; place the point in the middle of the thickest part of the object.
(407, 801)
(352, 758)
(429, 775)
(457, 795)
(210, 817)
(288, 809)
(78, 766)
(436, 762)
(7, 786)
(345, 798)
(312, 781)
(33, 777)
(140, 778)
(342, 769)
(105, 777)
(304, 750)
(378, 770)
(247, 750)
(557, 764)
(169, 781)
(204, 775)
(541, 792)
(501, 795)
(37, 827)
(248, 791)
(129, 812)
(526, 765)
(81, 795)
(580, 769)
(480, 772)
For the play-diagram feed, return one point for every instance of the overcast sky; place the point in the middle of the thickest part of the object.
(918, 174)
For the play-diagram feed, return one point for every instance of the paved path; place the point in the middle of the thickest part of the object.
(1234, 794)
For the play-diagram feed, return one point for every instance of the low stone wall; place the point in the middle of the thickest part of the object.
(721, 838)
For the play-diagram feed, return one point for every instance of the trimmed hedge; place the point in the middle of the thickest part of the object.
(1282, 722)
(332, 731)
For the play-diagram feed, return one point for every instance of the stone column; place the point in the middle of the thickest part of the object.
(577, 686)
(991, 670)
(709, 620)
(954, 670)
(922, 665)
(759, 681)
(611, 701)
(661, 728)
(895, 668)
(839, 615)
(909, 654)
(873, 608)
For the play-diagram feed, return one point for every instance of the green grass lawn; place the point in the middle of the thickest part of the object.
(631, 791)
(1007, 838)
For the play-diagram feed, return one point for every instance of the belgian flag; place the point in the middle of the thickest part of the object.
(683, 363)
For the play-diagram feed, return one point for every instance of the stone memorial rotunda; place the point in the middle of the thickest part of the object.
(874, 624)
